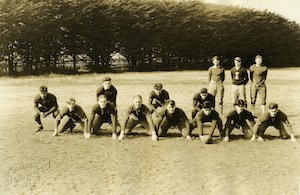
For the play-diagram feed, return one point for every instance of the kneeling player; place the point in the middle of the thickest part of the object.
(102, 112)
(207, 114)
(138, 113)
(173, 116)
(199, 99)
(275, 118)
(239, 118)
(44, 104)
(69, 116)
(158, 98)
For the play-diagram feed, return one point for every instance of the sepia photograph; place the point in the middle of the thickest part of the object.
(158, 97)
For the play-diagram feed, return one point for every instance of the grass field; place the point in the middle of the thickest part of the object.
(36, 163)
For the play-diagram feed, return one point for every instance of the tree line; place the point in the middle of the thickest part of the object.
(151, 34)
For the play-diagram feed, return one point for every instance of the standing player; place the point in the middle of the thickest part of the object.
(216, 77)
(102, 112)
(275, 118)
(258, 76)
(138, 113)
(108, 90)
(199, 99)
(240, 78)
(207, 114)
(69, 116)
(157, 98)
(239, 118)
(172, 116)
(44, 104)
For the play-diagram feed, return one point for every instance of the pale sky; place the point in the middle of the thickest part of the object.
(287, 8)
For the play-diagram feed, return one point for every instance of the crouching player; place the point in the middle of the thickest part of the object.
(44, 104)
(101, 113)
(275, 118)
(207, 114)
(239, 118)
(138, 113)
(172, 116)
(69, 116)
(199, 99)
(158, 98)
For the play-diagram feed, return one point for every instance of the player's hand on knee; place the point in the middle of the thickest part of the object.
(114, 136)
(154, 137)
(55, 133)
(226, 139)
(260, 139)
(293, 139)
(87, 135)
(189, 138)
(121, 136)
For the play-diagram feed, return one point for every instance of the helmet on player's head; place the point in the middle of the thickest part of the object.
(273, 105)
(258, 56)
(107, 78)
(239, 102)
(215, 58)
(158, 86)
(203, 90)
(43, 89)
(237, 59)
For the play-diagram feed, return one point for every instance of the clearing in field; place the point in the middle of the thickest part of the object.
(36, 163)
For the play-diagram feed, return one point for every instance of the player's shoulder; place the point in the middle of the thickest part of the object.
(265, 116)
(37, 98)
(196, 96)
(152, 93)
(113, 88)
(252, 67)
(231, 113)
(64, 110)
(51, 95)
(95, 107)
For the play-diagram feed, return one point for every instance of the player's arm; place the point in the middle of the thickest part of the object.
(115, 97)
(151, 98)
(195, 104)
(209, 74)
(159, 120)
(255, 130)
(246, 76)
(36, 108)
(289, 129)
(251, 74)
(212, 127)
(113, 122)
(150, 121)
(83, 118)
(90, 122)
(223, 75)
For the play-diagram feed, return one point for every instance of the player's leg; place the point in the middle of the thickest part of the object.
(37, 118)
(146, 126)
(97, 122)
(227, 131)
(212, 88)
(261, 130)
(163, 128)
(247, 131)
(220, 127)
(263, 97)
(282, 131)
(253, 95)
(242, 93)
(65, 123)
(131, 123)
(219, 98)
(234, 93)
(184, 130)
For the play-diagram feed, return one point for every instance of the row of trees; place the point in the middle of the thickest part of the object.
(151, 34)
